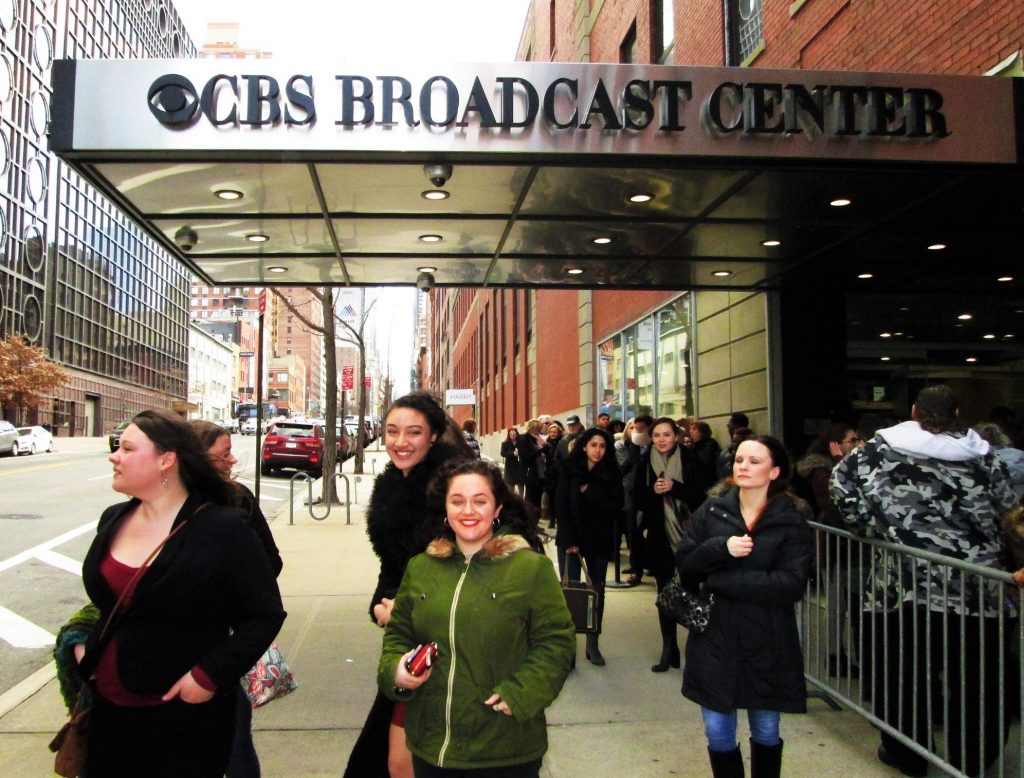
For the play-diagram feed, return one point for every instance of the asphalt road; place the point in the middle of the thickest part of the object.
(49, 505)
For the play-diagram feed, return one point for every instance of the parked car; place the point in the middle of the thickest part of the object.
(33, 439)
(249, 427)
(298, 445)
(114, 438)
(8, 438)
(231, 425)
(351, 423)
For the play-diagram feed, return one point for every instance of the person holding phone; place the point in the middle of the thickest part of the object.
(484, 592)
(750, 548)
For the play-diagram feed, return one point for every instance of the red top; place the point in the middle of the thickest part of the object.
(119, 576)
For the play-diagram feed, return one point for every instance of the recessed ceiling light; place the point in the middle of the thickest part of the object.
(904, 308)
(937, 247)
(641, 197)
(885, 335)
(865, 276)
(1004, 279)
(721, 273)
(257, 237)
(840, 202)
(604, 239)
(575, 271)
(971, 359)
(277, 269)
(989, 336)
(965, 317)
(430, 238)
(228, 194)
(435, 194)
(426, 269)
(886, 359)
(898, 334)
(771, 243)
(1008, 336)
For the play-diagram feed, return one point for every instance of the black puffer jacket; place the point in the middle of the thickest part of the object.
(397, 520)
(750, 655)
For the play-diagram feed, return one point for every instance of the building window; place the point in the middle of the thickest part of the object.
(627, 49)
(664, 32)
(745, 29)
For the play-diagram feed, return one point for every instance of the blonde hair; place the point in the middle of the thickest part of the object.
(533, 426)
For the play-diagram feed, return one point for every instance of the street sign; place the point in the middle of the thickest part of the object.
(348, 378)
(460, 397)
(366, 382)
(263, 301)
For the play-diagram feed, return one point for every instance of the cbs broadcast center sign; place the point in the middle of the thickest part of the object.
(258, 109)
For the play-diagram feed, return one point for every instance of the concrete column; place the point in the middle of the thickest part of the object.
(586, 346)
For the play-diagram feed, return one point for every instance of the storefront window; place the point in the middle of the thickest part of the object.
(645, 369)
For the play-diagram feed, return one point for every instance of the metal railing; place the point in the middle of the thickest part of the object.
(926, 647)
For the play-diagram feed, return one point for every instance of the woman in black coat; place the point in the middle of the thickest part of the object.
(514, 476)
(589, 502)
(530, 448)
(666, 487)
(419, 437)
(194, 620)
(751, 548)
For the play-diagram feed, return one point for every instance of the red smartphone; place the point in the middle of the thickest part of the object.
(422, 659)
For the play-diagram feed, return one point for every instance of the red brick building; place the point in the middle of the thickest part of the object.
(706, 353)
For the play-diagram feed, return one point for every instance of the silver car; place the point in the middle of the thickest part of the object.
(8, 437)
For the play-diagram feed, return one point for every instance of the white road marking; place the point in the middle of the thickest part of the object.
(16, 695)
(22, 633)
(28, 554)
(100, 477)
(61, 561)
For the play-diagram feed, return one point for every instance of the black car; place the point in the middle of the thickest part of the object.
(114, 439)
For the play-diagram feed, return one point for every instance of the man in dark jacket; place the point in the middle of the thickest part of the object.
(705, 451)
(469, 433)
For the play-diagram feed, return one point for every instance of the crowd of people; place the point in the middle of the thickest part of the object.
(182, 577)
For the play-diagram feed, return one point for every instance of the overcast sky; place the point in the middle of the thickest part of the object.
(368, 30)
(350, 31)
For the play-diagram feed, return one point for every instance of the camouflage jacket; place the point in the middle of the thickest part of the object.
(940, 493)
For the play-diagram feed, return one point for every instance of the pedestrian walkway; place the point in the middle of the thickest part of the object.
(620, 720)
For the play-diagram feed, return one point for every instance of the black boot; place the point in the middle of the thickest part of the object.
(593, 651)
(765, 761)
(669, 645)
(726, 764)
(669, 657)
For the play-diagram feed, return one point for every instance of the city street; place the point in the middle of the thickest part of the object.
(49, 505)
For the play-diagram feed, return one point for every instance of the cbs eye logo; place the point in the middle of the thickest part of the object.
(173, 100)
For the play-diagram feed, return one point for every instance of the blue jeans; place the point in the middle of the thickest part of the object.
(720, 728)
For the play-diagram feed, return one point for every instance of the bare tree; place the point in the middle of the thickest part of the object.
(354, 335)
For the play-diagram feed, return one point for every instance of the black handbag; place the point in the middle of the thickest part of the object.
(684, 607)
(581, 598)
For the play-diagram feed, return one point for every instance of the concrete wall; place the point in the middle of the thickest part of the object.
(732, 359)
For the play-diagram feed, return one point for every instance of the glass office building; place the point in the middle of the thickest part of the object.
(77, 276)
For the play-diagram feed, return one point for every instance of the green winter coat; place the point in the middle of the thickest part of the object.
(501, 626)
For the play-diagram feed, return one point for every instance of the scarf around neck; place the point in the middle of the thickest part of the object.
(670, 467)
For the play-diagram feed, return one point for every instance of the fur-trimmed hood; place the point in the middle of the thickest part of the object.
(813, 462)
(496, 549)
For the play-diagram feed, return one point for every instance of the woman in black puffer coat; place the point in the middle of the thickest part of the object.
(751, 548)
(419, 437)
(589, 502)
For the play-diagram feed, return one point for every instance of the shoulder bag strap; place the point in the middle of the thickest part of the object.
(140, 571)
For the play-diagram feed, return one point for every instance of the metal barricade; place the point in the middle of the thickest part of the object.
(311, 502)
(926, 647)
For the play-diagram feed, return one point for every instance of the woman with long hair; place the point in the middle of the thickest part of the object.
(589, 503)
(200, 605)
(751, 549)
(216, 441)
(419, 437)
(666, 488)
(492, 604)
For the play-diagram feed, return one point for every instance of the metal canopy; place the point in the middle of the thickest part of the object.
(548, 207)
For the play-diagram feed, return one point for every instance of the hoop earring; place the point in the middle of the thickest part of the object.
(444, 522)
(497, 522)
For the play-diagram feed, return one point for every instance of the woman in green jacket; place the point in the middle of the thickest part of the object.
(505, 638)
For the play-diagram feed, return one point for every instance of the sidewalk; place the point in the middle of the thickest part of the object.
(620, 720)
